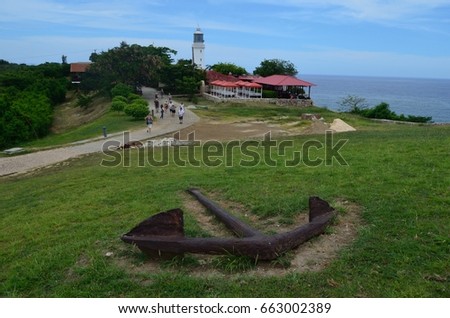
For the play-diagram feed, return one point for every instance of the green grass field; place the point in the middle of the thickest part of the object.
(57, 225)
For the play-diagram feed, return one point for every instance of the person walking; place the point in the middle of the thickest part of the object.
(162, 112)
(181, 113)
(149, 122)
(173, 109)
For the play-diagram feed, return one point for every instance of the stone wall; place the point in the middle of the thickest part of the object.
(277, 101)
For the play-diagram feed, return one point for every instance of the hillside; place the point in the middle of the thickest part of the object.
(69, 115)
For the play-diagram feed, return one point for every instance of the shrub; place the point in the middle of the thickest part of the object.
(118, 105)
(137, 109)
(121, 90)
(120, 98)
(419, 119)
(84, 100)
(381, 111)
(140, 101)
(269, 94)
(27, 117)
(132, 97)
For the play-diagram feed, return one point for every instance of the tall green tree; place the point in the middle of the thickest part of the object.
(133, 65)
(275, 67)
(27, 116)
(182, 78)
(229, 68)
(27, 97)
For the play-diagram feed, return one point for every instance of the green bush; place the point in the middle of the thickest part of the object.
(118, 105)
(382, 111)
(28, 116)
(120, 98)
(269, 94)
(84, 100)
(132, 97)
(121, 90)
(137, 109)
(140, 101)
(27, 97)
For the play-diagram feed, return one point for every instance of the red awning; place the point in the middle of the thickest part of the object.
(224, 84)
(248, 84)
(254, 85)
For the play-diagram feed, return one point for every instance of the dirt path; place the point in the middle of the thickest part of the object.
(27, 162)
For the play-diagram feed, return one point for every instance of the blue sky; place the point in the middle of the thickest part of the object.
(400, 38)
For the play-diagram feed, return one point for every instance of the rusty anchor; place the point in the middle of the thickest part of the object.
(163, 233)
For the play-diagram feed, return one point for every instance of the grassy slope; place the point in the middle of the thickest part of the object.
(56, 226)
(73, 123)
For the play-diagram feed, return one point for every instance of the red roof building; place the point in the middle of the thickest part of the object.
(286, 86)
(77, 69)
(80, 67)
(212, 76)
(283, 80)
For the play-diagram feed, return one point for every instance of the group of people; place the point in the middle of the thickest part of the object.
(163, 108)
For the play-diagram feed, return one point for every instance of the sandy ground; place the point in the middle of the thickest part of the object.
(211, 130)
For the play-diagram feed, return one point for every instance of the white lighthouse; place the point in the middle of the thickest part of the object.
(198, 49)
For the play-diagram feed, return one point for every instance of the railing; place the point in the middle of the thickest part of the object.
(277, 101)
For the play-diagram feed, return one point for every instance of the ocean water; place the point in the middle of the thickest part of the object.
(408, 96)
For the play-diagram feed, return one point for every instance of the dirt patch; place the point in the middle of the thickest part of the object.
(69, 115)
(317, 127)
(209, 130)
(318, 253)
(312, 256)
(212, 130)
(206, 220)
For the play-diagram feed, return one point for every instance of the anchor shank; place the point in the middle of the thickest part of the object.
(238, 227)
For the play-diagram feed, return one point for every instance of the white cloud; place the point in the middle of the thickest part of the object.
(361, 10)
(288, 25)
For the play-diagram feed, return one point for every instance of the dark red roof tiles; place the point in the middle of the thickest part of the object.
(80, 67)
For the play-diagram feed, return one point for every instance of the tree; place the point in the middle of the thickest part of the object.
(188, 85)
(133, 65)
(228, 68)
(27, 97)
(275, 66)
(179, 77)
(121, 89)
(353, 104)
